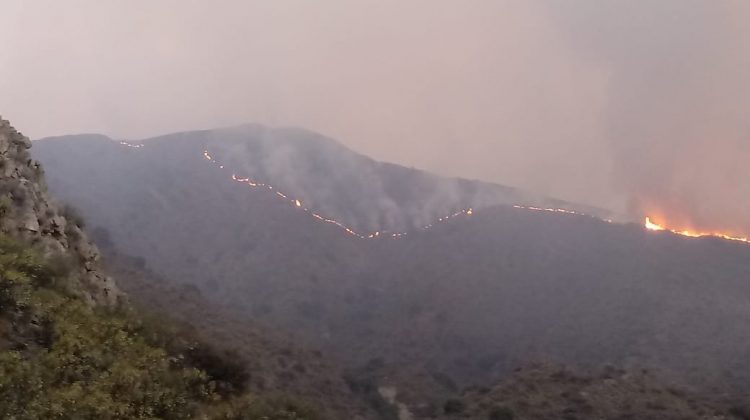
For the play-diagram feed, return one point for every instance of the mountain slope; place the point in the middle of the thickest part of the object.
(69, 345)
(328, 178)
(549, 392)
(72, 346)
(461, 303)
(274, 364)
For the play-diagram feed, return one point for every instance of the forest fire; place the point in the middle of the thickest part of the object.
(651, 225)
(551, 210)
(131, 145)
(298, 204)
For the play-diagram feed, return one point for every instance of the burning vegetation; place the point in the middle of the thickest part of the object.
(654, 226)
(650, 223)
(298, 204)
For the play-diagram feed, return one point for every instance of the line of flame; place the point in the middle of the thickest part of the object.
(559, 210)
(132, 145)
(552, 210)
(650, 225)
(298, 204)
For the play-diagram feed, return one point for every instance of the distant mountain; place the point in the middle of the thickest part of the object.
(323, 175)
(460, 303)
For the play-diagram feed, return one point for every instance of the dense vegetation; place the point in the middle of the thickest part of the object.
(61, 358)
(542, 392)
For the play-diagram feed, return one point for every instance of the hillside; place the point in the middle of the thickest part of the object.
(550, 392)
(272, 362)
(323, 175)
(461, 303)
(72, 345)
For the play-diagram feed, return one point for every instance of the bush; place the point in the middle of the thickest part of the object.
(445, 381)
(61, 266)
(501, 413)
(77, 361)
(5, 205)
(73, 216)
(225, 367)
(740, 411)
(257, 408)
(20, 272)
(454, 406)
(87, 362)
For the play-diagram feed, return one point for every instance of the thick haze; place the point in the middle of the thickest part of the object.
(632, 105)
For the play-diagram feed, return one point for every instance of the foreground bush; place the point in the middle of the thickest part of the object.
(60, 358)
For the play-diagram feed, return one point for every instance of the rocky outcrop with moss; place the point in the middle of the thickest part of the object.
(68, 350)
(28, 213)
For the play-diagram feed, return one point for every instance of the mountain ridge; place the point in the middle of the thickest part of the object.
(319, 170)
(467, 300)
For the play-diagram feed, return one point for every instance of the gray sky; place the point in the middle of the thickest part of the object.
(632, 104)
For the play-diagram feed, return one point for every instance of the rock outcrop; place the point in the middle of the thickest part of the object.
(27, 212)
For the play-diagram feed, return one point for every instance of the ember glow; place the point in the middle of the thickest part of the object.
(653, 226)
(298, 204)
(650, 225)
(131, 145)
(551, 210)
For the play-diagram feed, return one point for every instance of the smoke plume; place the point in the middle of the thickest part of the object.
(679, 105)
(632, 105)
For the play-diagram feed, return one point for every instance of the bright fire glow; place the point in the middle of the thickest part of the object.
(131, 145)
(551, 210)
(650, 225)
(653, 226)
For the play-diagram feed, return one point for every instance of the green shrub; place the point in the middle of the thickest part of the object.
(259, 408)
(77, 361)
(88, 364)
(20, 272)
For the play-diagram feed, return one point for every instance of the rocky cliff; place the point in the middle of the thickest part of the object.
(27, 212)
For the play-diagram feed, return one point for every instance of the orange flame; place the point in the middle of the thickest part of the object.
(653, 226)
(650, 225)
(466, 212)
(298, 204)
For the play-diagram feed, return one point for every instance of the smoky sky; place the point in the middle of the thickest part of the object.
(640, 106)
